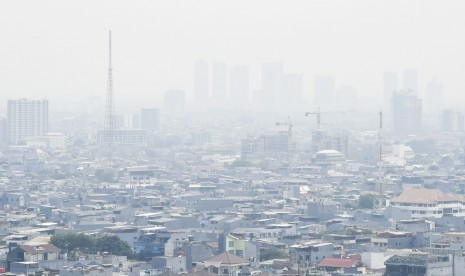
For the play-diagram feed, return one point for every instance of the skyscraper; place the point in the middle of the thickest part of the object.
(150, 119)
(411, 80)
(292, 91)
(174, 102)
(389, 87)
(434, 96)
(407, 112)
(324, 91)
(239, 85)
(200, 81)
(26, 118)
(219, 82)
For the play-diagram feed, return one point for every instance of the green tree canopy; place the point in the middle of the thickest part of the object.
(270, 254)
(366, 201)
(72, 241)
(114, 245)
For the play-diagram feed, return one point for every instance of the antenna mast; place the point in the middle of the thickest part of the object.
(109, 123)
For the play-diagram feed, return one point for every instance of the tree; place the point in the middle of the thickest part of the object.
(72, 241)
(270, 254)
(114, 245)
(366, 201)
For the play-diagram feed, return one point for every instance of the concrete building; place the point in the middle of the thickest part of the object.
(407, 112)
(325, 88)
(201, 73)
(26, 118)
(174, 102)
(419, 264)
(389, 87)
(219, 82)
(239, 87)
(411, 81)
(420, 203)
(150, 119)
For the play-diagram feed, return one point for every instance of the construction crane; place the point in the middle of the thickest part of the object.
(288, 123)
(318, 117)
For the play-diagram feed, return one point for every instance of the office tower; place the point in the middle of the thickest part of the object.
(452, 120)
(150, 119)
(411, 81)
(174, 102)
(389, 87)
(407, 112)
(219, 82)
(292, 91)
(135, 121)
(324, 87)
(239, 85)
(435, 96)
(200, 81)
(119, 121)
(3, 131)
(272, 84)
(26, 118)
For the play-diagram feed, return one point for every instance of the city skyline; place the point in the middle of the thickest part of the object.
(153, 60)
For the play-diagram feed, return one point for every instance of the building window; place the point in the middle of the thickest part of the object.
(231, 244)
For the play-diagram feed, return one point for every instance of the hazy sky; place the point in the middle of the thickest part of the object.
(58, 49)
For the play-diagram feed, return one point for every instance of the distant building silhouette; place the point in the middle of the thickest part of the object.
(239, 86)
(390, 85)
(411, 81)
(150, 119)
(201, 81)
(435, 96)
(174, 102)
(219, 82)
(26, 118)
(324, 87)
(407, 112)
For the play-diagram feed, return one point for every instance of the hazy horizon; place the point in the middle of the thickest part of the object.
(59, 49)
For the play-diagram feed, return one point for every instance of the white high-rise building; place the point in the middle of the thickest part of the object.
(239, 85)
(219, 82)
(411, 81)
(201, 72)
(389, 87)
(174, 102)
(26, 118)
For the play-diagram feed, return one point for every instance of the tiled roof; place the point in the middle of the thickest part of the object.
(336, 262)
(227, 258)
(424, 196)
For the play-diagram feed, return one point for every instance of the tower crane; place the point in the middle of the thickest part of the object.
(288, 123)
(318, 115)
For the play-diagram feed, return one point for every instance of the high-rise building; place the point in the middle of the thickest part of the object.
(219, 82)
(174, 102)
(292, 91)
(239, 85)
(3, 131)
(434, 96)
(150, 119)
(389, 87)
(411, 80)
(201, 81)
(272, 84)
(324, 91)
(26, 118)
(407, 112)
